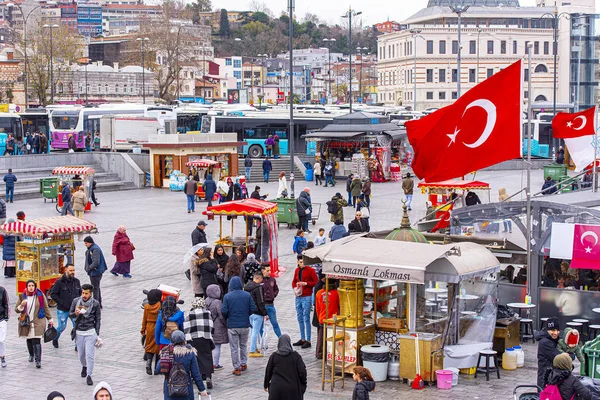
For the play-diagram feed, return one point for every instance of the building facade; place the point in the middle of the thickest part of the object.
(388, 27)
(89, 19)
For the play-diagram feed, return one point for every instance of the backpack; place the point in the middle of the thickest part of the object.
(170, 327)
(333, 207)
(551, 392)
(178, 381)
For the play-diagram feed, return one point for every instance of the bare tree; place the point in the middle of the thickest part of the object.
(260, 6)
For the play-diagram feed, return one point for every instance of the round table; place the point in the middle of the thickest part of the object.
(467, 297)
(436, 292)
(521, 306)
(596, 310)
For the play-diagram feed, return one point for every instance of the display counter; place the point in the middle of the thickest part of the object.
(430, 354)
(355, 338)
(42, 261)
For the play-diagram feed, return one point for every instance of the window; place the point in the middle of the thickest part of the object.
(472, 75)
(429, 76)
(430, 47)
(540, 68)
(455, 47)
(541, 97)
(472, 47)
(546, 48)
(442, 47)
(454, 75)
(60, 87)
(514, 47)
(536, 47)
(490, 47)
(526, 94)
(228, 61)
(117, 88)
(237, 74)
(442, 74)
(454, 95)
(490, 72)
(429, 95)
(442, 95)
(237, 63)
(503, 47)
(526, 75)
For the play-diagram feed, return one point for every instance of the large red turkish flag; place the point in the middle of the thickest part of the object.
(567, 126)
(586, 247)
(482, 128)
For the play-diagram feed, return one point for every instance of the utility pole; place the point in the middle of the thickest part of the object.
(349, 14)
(459, 10)
(142, 40)
(291, 132)
(528, 192)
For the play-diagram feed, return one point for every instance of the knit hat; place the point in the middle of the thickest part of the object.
(552, 323)
(177, 337)
(563, 361)
(88, 239)
(572, 337)
(251, 257)
(56, 396)
(154, 296)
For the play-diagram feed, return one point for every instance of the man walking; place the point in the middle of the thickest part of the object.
(329, 175)
(66, 198)
(2, 211)
(4, 307)
(303, 208)
(95, 266)
(9, 180)
(305, 279)
(237, 308)
(248, 166)
(198, 234)
(270, 290)
(63, 292)
(86, 312)
(267, 168)
(408, 185)
(190, 188)
(255, 288)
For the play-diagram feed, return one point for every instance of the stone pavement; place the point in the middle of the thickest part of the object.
(159, 226)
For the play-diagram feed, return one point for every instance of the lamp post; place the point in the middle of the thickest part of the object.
(458, 10)
(142, 40)
(85, 61)
(51, 27)
(292, 127)
(349, 14)
(177, 62)
(581, 25)
(261, 96)
(329, 43)
(415, 33)
(359, 51)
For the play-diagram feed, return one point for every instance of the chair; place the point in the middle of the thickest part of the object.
(527, 330)
(594, 331)
(487, 354)
(585, 329)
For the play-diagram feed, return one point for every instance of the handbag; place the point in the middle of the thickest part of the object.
(298, 291)
(73, 334)
(24, 321)
(284, 193)
(50, 334)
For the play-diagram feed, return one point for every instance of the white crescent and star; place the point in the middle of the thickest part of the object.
(583, 122)
(588, 249)
(490, 109)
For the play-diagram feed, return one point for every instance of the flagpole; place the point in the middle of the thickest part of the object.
(528, 191)
(595, 173)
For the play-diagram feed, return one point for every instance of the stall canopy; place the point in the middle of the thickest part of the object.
(455, 184)
(47, 226)
(242, 207)
(79, 170)
(203, 163)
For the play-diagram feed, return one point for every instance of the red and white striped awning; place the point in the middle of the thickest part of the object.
(75, 170)
(202, 163)
(48, 226)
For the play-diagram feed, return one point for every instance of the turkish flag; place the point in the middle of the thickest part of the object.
(586, 247)
(443, 223)
(482, 128)
(567, 126)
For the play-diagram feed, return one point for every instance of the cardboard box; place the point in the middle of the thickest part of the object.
(390, 324)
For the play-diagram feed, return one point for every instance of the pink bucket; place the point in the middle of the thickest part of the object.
(444, 379)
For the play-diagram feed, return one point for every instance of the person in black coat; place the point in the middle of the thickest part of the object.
(63, 292)
(208, 269)
(472, 199)
(560, 157)
(285, 376)
(358, 225)
(569, 386)
(547, 349)
(198, 234)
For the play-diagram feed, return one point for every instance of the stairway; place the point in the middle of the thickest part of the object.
(280, 164)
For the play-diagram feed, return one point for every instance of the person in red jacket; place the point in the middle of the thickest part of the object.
(122, 249)
(305, 278)
(325, 310)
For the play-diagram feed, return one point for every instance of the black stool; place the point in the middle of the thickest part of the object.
(585, 329)
(488, 354)
(594, 331)
(527, 330)
(544, 323)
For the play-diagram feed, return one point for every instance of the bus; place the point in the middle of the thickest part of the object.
(78, 121)
(189, 118)
(36, 120)
(10, 123)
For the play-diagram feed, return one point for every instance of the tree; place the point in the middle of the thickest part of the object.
(194, 9)
(224, 29)
(261, 17)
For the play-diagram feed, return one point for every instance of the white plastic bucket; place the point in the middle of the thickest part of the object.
(455, 372)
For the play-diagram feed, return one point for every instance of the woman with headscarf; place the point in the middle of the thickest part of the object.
(198, 329)
(151, 310)
(208, 268)
(250, 268)
(219, 335)
(33, 307)
(181, 353)
(221, 258)
(170, 318)
(285, 376)
(234, 268)
(122, 249)
(237, 190)
(230, 190)
(9, 254)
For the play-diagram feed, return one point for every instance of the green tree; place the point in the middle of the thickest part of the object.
(194, 9)
(261, 17)
(224, 29)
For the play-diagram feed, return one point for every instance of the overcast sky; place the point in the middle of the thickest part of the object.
(373, 11)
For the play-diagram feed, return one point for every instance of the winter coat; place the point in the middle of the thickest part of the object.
(79, 200)
(10, 179)
(356, 226)
(339, 216)
(159, 333)
(214, 304)
(195, 275)
(408, 185)
(4, 305)
(546, 187)
(299, 244)
(569, 386)
(349, 184)
(547, 350)
(317, 168)
(122, 248)
(250, 268)
(356, 187)
(8, 249)
(2, 209)
(560, 157)
(337, 232)
(186, 355)
(38, 322)
(472, 199)
(89, 321)
(270, 290)
(267, 165)
(362, 389)
(64, 291)
(563, 347)
(248, 162)
(282, 186)
(149, 327)
(95, 264)
(198, 236)
(258, 296)
(210, 187)
(303, 204)
(285, 377)
(66, 194)
(309, 276)
(366, 188)
(237, 305)
(190, 188)
(208, 271)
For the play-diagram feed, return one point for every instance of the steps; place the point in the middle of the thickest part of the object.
(280, 164)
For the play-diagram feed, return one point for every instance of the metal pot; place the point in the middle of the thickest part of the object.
(393, 372)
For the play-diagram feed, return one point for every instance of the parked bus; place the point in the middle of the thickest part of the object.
(10, 123)
(36, 120)
(189, 118)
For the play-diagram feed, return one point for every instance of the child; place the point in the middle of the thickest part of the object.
(299, 242)
(547, 348)
(364, 383)
(244, 192)
(321, 239)
(570, 345)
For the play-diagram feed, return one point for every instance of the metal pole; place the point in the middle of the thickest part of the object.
(143, 76)
(26, 61)
(350, 55)
(360, 87)
(595, 172)
(528, 192)
(291, 130)
(86, 82)
(204, 74)
(414, 74)
(51, 69)
(478, 33)
(458, 63)
(577, 93)
(555, 49)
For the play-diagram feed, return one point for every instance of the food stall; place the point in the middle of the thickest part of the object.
(74, 176)
(203, 167)
(255, 212)
(46, 247)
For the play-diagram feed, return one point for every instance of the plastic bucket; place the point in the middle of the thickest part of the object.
(444, 379)
(375, 357)
(455, 372)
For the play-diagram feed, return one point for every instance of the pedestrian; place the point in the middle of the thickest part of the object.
(221, 258)
(103, 391)
(222, 189)
(63, 292)
(329, 175)
(569, 386)
(285, 375)
(36, 143)
(33, 308)
(9, 182)
(317, 172)
(361, 206)
(122, 249)
(282, 189)
(408, 185)
(355, 189)
(256, 194)
(276, 148)
(208, 268)
(93, 192)
(220, 336)
(251, 266)
(321, 239)
(10, 144)
(95, 266)
(179, 360)
(549, 186)
(335, 207)
(151, 310)
(270, 290)
(210, 188)
(198, 327)
(338, 230)
(56, 396)
(9, 254)
(349, 189)
(303, 282)
(358, 225)
(472, 199)
(66, 198)
(4, 315)
(97, 141)
(87, 314)
(198, 234)
(327, 304)
(366, 189)
(269, 143)
(364, 383)
(190, 188)
(79, 200)
(71, 144)
(237, 190)
(267, 167)
(234, 268)
(299, 242)
(304, 209)
(570, 345)
(170, 319)
(248, 166)
(547, 348)
(194, 272)
(88, 142)
(237, 308)
(244, 190)
(560, 156)
(43, 143)
(257, 318)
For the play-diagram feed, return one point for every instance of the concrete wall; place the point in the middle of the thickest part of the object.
(519, 165)
(45, 160)
(123, 165)
(142, 160)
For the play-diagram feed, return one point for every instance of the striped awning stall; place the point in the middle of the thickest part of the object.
(73, 170)
(47, 226)
(202, 163)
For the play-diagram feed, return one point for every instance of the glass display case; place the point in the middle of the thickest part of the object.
(387, 304)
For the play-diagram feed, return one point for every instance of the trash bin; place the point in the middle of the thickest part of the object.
(286, 212)
(555, 171)
(49, 188)
(310, 172)
(591, 351)
(376, 357)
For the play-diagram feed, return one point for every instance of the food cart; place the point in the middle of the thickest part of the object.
(265, 242)
(46, 247)
(202, 167)
(67, 176)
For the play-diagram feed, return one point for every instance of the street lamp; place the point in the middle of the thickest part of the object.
(261, 96)
(415, 33)
(580, 25)
(142, 40)
(329, 43)
(51, 27)
(458, 10)
(85, 61)
(359, 51)
(349, 14)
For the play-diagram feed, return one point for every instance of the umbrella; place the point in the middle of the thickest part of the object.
(193, 250)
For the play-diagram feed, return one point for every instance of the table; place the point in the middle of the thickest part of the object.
(467, 297)
(436, 292)
(596, 310)
(521, 306)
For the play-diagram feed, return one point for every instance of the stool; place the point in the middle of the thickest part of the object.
(487, 354)
(544, 322)
(594, 331)
(527, 330)
(585, 331)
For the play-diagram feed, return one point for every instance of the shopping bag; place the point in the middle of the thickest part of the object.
(264, 341)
